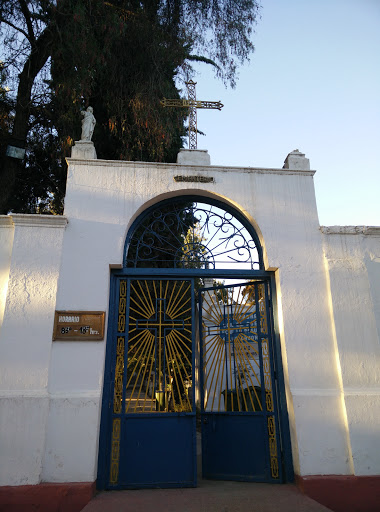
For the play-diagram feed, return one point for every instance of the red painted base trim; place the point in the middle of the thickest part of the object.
(65, 497)
(343, 493)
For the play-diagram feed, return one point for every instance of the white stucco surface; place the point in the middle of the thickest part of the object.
(328, 311)
(30, 290)
(72, 439)
(6, 243)
(353, 259)
(22, 437)
(191, 157)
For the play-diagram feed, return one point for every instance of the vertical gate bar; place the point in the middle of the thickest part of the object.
(159, 345)
(193, 402)
(201, 376)
(258, 326)
(272, 432)
(120, 335)
(126, 349)
(283, 419)
(106, 417)
(276, 404)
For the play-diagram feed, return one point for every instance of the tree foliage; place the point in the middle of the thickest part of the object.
(120, 56)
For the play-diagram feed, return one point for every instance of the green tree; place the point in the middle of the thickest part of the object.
(223, 295)
(120, 56)
(5, 114)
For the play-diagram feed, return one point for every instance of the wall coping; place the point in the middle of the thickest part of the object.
(351, 230)
(33, 220)
(188, 167)
(6, 221)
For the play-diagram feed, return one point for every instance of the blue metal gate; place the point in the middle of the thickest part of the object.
(150, 440)
(148, 426)
(240, 428)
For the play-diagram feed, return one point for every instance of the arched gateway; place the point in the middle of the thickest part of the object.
(192, 352)
(191, 335)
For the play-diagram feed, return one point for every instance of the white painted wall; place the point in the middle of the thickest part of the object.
(30, 286)
(6, 242)
(282, 205)
(103, 198)
(353, 259)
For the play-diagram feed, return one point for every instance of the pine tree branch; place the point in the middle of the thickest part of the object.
(18, 29)
(28, 21)
(200, 58)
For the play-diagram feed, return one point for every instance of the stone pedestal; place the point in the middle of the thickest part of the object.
(83, 150)
(193, 157)
(296, 161)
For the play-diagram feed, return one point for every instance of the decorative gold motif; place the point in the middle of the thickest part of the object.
(159, 366)
(118, 385)
(122, 306)
(273, 447)
(115, 451)
(262, 310)
(267, 375)
(119, 372)
(231, 363)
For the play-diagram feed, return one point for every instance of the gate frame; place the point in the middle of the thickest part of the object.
(285, 449)
(274, 381)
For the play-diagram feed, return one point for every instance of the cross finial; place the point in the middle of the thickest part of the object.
(192, 104)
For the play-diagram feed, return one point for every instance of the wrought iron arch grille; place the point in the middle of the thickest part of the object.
(189, 234)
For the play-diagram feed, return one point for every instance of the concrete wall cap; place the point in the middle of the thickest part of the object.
(351, 230)
(6, 221)
(34, 220)
(188, 167)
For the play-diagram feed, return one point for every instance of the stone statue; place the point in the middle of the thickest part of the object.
(88, 124)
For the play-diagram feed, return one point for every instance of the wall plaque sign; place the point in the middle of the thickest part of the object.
(195, 179)
(15, 152)
(78, 326)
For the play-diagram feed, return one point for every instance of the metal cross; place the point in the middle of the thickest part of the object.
(192, 104)
(162, 324)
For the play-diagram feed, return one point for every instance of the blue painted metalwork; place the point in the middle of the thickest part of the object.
(159, 448)
(158, 451)
(287, 459)
(149, 416)
(234, 447)
(189, 234)
(240, 428)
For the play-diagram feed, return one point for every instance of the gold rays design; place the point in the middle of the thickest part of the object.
(231, 363)
(232, 325)
(159, 365)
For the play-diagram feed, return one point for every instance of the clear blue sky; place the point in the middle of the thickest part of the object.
(312, 84)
